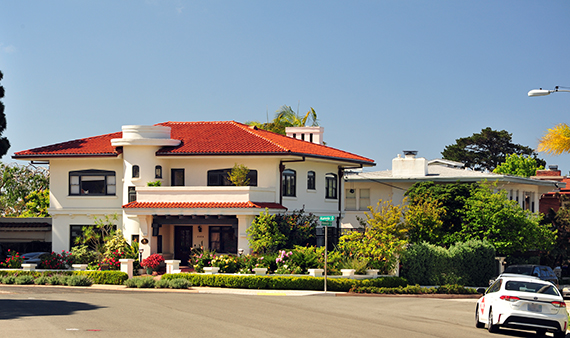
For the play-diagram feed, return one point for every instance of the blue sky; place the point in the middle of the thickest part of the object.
(383, 76)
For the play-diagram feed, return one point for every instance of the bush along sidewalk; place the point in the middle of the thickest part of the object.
(416, 290)
(149, 282)
(96, 277)
(284, 282)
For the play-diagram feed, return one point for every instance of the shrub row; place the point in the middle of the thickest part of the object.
(149, 282)
(284, 282)
(73, 280)
(97, 277)
(416, 289)
(470, 263)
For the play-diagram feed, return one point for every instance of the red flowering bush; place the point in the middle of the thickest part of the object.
(14, 260)
(152, 261)
(112, 259)
(57, 261)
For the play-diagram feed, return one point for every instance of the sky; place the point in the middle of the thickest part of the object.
(383, 76)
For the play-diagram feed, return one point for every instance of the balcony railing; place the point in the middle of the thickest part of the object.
(206, 194)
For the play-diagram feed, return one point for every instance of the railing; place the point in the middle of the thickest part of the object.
(206, 194)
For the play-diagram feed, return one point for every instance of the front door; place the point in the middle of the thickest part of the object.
(182, 243)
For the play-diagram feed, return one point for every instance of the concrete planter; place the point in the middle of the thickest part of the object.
(348, 272)
(260, 271)
(316, 272)
(79, 267)
(372, 272)
(211, 270)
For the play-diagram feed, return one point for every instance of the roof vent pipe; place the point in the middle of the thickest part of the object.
(410, 153)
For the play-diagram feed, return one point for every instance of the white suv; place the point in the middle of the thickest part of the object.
(522, 302)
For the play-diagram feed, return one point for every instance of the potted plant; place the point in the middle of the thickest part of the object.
(152, 262)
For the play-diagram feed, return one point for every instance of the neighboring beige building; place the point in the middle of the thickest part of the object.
(363, 189)
(195, 205)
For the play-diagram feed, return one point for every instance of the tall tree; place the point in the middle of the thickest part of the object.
(518, 165)
(556, 140)
(4, 143)
(486, 150)
(286, 117)
(19, 186)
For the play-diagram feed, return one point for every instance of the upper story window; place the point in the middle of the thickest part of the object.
(220, 177)
(158, 171)
(289, 182)
(350, 199)
(136, 171)
(177, 177)
(331, 185)
(364, 200)
(311, 180)
(92, 183)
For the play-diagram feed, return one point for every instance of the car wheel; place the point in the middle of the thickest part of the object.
(493, 328)
(478, 324)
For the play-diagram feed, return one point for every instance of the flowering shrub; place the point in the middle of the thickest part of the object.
(202, 259)
(251, 261)
(112, 260)
(13, 261)
(226, 263)
(152, 261)
(56, 261)
(285, 264)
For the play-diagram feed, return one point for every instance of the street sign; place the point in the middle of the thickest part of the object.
(327, 221)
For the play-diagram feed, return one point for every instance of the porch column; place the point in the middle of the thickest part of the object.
(244, 221)
(145, 234)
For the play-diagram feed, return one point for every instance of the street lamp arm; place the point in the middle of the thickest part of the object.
(544, 92)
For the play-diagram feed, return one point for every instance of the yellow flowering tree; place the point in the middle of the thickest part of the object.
(384, 237)
(556, 140)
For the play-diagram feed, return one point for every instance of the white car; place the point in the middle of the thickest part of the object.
(522, 302)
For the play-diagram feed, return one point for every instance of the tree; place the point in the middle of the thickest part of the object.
(486, 150)
(238, 175)
(286, 117)
(383, 239)
(264, 235)
(95, 236)
(4, 143)
(518, 165)
(17, 183)
(556, 140)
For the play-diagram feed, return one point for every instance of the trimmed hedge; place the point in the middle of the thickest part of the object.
(470, 263)
(98, 277)
(416, 289)
(284, 282)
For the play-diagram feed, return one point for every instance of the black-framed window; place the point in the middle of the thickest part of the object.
(132, 194)
(223, 239)
(136, 171)
(219, 177)
(177, 177)
(289, 182)
(311, 180)
(331, 186)
(92, 183)
(158, 171)
(76, 231)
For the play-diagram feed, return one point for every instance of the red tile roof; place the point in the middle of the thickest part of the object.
(201, 205)
(203, 138)
(91, 146)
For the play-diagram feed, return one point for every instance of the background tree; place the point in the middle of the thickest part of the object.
(518, 165)
(238, 175)
(486, 150)
(556, 140)
(17, 183)
(95, 236)
(4, 143)
(286, 117)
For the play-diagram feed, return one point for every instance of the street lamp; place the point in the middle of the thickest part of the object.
(544, 92)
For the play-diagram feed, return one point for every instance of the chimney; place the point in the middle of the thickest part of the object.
(410, 165)
(309, 134)
(551, 174)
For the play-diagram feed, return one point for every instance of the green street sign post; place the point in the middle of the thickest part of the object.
(326, 221)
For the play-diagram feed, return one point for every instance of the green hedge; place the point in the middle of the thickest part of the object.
(98, 277)
(416, 289)
(284, 282)
(470, 263)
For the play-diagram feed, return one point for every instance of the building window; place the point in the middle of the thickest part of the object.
(158, 171)
(311, 180)
(289, 182)
(220, 177)
(92, 183)
(132, 194)
(76, 231)
(330, 186)
(136, 171)
(364, 201)
(223, 239)
(350, 199)
(177, 177)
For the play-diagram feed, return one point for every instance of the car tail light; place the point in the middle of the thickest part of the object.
(559, 304)
(510, 298)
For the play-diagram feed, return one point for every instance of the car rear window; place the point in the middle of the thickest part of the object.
(521, 270)
(531, 287)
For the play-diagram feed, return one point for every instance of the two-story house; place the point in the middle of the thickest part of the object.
(195, 204)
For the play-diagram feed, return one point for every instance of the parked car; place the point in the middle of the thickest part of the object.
(34, 257)
(541, 271)
(522, 302)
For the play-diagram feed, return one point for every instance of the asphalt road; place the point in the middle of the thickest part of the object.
(65, 312)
